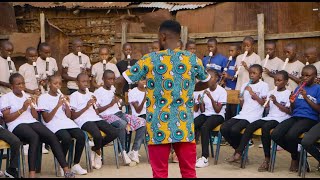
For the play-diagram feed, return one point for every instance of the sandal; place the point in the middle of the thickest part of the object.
(264, 166)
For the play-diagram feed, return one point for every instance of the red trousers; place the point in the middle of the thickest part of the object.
(186, 153)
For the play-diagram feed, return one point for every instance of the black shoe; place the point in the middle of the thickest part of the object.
(11, 173)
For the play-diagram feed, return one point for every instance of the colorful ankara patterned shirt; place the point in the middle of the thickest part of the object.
(171, 77)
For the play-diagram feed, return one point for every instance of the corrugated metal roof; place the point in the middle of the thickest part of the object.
(74, 4)
(171, 6)
(174, 6)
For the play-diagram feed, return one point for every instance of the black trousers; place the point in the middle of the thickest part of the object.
(287, 133)
(94, 127)
(14, 143)
(205, 124)
(310, 139)
(66, 135)
(35, 133)
(231, 129)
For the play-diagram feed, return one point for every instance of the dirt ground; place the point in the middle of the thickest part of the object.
(222, 169)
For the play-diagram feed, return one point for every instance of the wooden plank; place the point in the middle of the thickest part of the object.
(184, 35)
(42, 28)
(2, 37)
(224, 34)
(260, 34)
(293, 35)
(123, 36)
(139, 35)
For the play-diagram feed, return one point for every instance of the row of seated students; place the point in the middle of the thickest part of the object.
(72, 66)
(289, 115)
(62, 121)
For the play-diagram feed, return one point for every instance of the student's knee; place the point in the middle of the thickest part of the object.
(307, 141)
(275, 135)
(66, 140)
(80, 136)
(234, 131)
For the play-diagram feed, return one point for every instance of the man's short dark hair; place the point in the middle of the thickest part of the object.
(170, 25)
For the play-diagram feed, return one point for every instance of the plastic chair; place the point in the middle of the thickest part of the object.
(244, 156)
(116, 144)
(216, 130)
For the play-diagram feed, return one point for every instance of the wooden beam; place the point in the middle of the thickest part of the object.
(184, 36)
(223, 34)
(42, 28)
(3, 37)
(260, 18)
(293, 35)
(123, 36)
(139, 35)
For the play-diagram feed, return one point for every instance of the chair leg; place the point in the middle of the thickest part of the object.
(218, 148)
(304, 160)
(102, 154)
(88, 150)
(301, 159)
(244, 157)
(273, 156)
(115, 147)
(8, 158)
(23, 162)
(211, 143)
(128, 141)
(1, 155)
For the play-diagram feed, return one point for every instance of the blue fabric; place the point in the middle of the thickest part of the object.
(218, 60)
(229, 83)
(302, 108)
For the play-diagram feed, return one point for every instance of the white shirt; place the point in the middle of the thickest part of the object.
(136, 95)
(243, 75)
(60, 120)
(273, 65)
(5, 74)
(71, 61)
(317, 65)
(195, 96)
(41, 66)
(27, 71)
(294, 69)
(251, 109)
(219, 95)
(104, 97)
(79, 101)
(15, 103)
(97, 71)
(274, 112)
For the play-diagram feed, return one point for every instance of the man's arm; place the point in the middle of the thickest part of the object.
(5, 84)
(65, 75)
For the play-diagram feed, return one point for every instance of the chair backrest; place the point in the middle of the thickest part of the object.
(233, 96)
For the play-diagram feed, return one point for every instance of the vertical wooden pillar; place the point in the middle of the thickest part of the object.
(42, 27)
(184, 35)
(124, 30)
(261, 35)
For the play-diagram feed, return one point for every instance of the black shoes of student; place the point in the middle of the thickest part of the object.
(11, 173)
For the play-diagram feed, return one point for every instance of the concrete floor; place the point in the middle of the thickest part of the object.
(223, 169)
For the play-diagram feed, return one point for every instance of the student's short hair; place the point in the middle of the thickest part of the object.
(76, 40)
(170, 25)
(237, 45)
(249, 38)
(50, 78)
(80, 75)
(214, 40)
(13, 77)
(190, 42)
(103, 47)
(312, 67)
(215, 72)
(108, 71)
(292, 45)
(271, 42)
(258, 66)
(42, 45)
(31, 49)
(126, 44)
(284, 74)
(5, 42)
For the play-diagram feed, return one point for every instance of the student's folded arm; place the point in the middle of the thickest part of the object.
(313, 105)
(9, 117)
(47, 117)
(65, 75)
(75, 115)
(103, 108)
(282, 108)
(294, 78)
(202, 107)
(5, 84)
